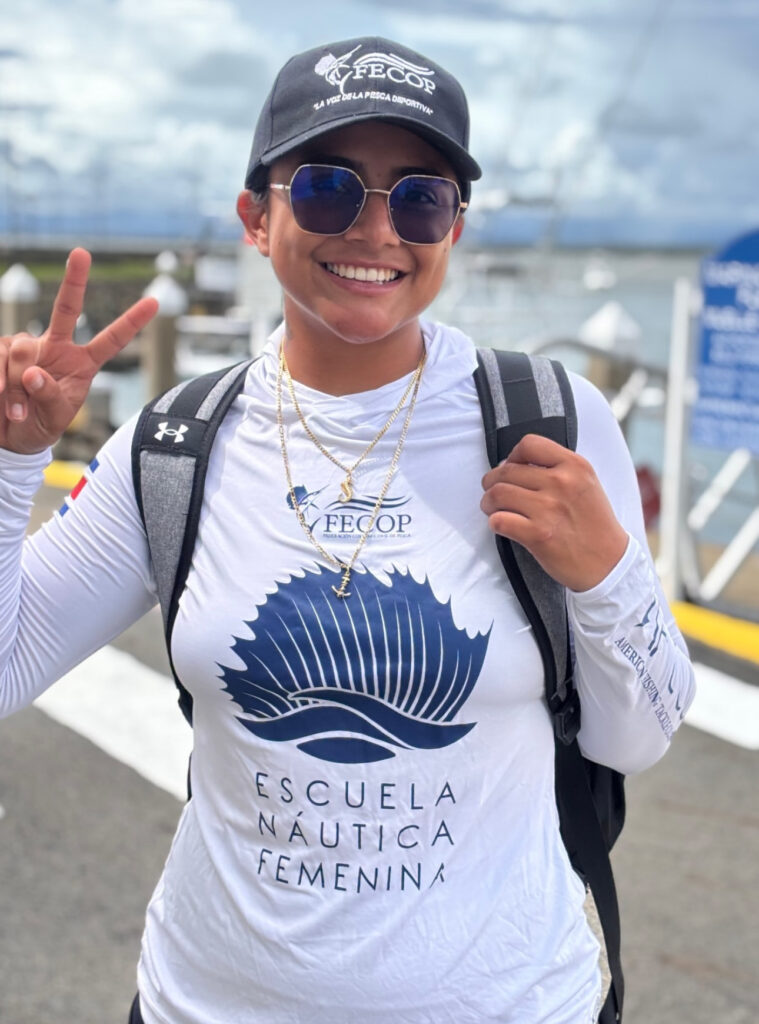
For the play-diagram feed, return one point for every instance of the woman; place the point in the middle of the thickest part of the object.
(407, 867)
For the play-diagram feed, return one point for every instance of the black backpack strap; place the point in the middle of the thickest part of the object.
(586, 847)
(170, 449)
(521, 394)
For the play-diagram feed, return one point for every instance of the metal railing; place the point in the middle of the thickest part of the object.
(681, 523)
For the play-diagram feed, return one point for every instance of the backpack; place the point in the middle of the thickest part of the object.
(518, 394)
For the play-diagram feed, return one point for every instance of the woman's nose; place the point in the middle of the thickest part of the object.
(373, 223)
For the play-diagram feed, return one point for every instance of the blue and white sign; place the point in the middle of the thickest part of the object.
(726, 414)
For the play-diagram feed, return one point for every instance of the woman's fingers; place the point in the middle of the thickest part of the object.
(69, 301)
(550, 500)
(5, 344)
(21, 354)
(45, 380)
(40, 386)
(46, 414)
(113, 338)
(510, 497)
(531, 477)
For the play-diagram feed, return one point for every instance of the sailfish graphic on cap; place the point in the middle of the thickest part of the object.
(330, 67)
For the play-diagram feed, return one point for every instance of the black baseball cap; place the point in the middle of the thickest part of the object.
(365, 79)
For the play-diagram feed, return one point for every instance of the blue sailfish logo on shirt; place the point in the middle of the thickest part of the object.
(353, 681)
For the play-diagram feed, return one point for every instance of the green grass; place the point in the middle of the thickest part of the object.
(122, 271)
(129, 269)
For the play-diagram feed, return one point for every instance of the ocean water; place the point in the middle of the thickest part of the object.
(509, 297)
(517, 300)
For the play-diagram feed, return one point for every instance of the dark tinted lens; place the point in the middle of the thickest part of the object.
(423, 209)
(325, 200)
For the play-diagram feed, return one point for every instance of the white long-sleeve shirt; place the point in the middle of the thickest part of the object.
(373, 831)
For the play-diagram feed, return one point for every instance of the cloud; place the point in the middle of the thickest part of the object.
(487, 10)
(634, 118)
(585, 104)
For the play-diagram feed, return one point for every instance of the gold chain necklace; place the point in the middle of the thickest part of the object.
(345, 568)
(346, 487)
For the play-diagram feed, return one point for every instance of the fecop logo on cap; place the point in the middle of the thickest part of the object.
(373, 67)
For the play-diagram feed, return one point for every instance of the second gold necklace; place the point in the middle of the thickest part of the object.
(346, 568)
(346, 487)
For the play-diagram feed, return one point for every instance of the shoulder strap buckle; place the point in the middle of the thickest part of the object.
(564, 706)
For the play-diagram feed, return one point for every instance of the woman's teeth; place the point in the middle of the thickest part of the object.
(380, 275)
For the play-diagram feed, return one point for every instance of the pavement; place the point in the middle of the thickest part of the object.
(84, 834)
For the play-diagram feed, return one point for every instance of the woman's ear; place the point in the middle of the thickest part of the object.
(255, 219)
(458, 227)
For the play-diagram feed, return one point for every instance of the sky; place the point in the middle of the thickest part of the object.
(629, 122)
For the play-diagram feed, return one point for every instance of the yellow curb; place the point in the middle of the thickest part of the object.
(734, 636)
(64, 475)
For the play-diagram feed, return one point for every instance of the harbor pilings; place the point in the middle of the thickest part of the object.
(19, 294)
(159, 341)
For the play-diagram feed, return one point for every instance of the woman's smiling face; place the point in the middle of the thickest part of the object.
(365, 285)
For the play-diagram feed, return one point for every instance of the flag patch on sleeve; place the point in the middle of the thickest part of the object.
(82, 483)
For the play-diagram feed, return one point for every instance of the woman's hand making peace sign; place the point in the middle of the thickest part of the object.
(44, 381)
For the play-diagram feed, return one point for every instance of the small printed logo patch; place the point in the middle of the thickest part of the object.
(351, 518)
(335, 69)
(374, 67)
(376, 76)
(164, 431)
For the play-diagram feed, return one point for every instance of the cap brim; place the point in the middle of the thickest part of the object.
(465, 166)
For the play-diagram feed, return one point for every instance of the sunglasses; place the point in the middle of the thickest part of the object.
(327, 200)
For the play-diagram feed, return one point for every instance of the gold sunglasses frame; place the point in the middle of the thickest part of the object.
(370, 191)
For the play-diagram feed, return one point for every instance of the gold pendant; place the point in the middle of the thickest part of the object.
(342, 592)
(347, 488)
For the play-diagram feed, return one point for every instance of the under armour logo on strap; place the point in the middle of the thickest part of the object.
(164, 430)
